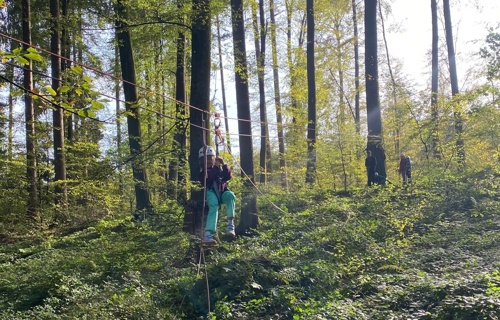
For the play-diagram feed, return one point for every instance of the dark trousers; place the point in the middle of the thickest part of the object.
(371, 177)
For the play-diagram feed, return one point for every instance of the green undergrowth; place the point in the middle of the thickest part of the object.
(427, 251)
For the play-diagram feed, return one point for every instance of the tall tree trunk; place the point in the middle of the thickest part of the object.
(65, 63)
(223, 87)
(356, 67)
(176, 174)
(260, 45)
(311, 97)
(374, 119)
(277, 98)
(454, 83)
(200, 82)
(249, 216)
(434, 81)
(143, 203)
(29, 113)
(61, 194)
(393, 83)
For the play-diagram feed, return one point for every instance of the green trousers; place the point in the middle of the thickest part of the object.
(228, 199)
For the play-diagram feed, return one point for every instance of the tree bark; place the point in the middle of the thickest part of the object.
(249, 216)
(200, 82)
(374, 119)
(61, 194)
(457, 113)
(29, 113)
(143, 204)
(311, 97)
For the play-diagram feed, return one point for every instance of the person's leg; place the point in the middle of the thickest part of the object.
(212, 216)
(229, 200)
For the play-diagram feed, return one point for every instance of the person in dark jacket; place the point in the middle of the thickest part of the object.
(408, 168)
(215, 182)
(402, 167)
(371, 166)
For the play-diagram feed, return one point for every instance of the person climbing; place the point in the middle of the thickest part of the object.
(408, 168)
(371, 166)
(217, 192)
(402, 167)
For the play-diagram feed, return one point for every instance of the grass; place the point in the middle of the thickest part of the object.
(388, 253)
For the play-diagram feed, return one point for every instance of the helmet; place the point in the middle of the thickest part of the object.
(210, 152)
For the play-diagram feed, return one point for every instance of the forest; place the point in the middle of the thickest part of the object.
(106, 105)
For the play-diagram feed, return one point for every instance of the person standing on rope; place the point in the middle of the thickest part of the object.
(215, 183)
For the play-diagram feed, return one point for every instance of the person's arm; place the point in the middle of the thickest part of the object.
(226, 171)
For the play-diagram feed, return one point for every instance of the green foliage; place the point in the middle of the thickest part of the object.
(425, 251)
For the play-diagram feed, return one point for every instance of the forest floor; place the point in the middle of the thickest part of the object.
(421, 252)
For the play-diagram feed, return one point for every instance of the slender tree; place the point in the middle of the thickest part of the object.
(61, 194)
(311, 96)
(223, 86)
(143, 204)
(374, 119)
(249, 218)
(277, 98)
(176, 175)
(454, 83)
(29, 113)
(434, 80)
(356, 66)
(260, 56)
(394, 85)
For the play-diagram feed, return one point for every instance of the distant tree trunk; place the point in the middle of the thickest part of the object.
(311, 97)
(342, 102)
(434, 81)
(61, 194)
(176, 175)
(249, 215)
(260, 49)
(10, 133)
(356, 67)
(143, 203)
(223, 87)
(29, 113)
(291, 63)
(374, 119)
(200, 82)
(118, 122)
(454, 83)
(277, 98)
